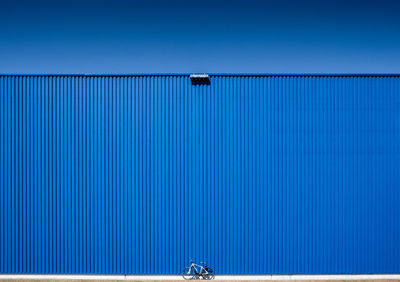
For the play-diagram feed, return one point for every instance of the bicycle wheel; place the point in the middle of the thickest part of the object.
(211, 274)
(188, 273)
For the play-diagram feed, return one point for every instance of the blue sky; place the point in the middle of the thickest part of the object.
(200, 36)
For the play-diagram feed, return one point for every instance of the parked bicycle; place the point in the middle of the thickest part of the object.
(196, 271)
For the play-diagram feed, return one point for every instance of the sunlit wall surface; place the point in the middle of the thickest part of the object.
(252, 174)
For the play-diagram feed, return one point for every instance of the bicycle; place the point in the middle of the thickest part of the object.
(195, 271)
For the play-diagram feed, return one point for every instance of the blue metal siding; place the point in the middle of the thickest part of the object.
(253, 174)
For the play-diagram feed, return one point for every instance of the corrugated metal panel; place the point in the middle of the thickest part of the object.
(253, 174)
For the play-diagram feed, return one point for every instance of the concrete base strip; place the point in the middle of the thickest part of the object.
(218, 277)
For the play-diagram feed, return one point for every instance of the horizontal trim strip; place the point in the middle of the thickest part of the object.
(210, 74)
(217, 277)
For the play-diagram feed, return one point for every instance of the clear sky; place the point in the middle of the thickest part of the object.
(200, 36)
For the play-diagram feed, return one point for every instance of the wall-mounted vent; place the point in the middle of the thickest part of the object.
(200, 79)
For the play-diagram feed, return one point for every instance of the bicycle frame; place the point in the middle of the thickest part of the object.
(197, 267)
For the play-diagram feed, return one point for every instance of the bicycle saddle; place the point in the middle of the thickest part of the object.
(202, 262)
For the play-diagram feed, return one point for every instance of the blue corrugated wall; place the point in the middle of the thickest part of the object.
(253, 174)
